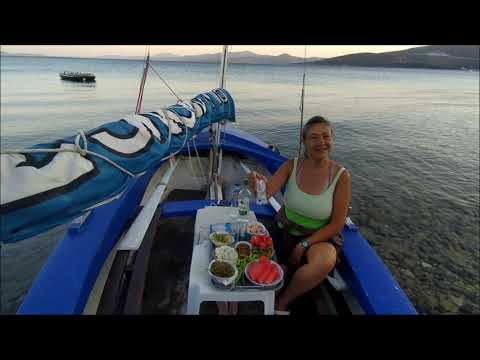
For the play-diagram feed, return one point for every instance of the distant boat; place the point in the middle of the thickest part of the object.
(77, 76)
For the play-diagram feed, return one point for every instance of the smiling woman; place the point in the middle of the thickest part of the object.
(315, 209)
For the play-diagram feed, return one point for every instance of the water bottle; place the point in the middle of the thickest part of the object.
(234, 195)
(261, 188)
(243, 207)
(244, 200)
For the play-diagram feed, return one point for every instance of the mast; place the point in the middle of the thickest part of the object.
(216, 163)
(138, 109)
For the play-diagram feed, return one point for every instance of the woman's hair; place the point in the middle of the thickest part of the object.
(314, 121)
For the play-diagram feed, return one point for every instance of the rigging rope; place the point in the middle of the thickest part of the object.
(83, 151)
(171, 90)
(198, 158)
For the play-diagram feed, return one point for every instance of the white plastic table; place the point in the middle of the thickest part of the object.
(200, 287)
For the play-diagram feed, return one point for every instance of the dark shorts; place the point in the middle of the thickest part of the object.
(284, 244)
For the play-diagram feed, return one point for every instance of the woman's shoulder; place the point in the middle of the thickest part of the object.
(289, 164)
(338, 167)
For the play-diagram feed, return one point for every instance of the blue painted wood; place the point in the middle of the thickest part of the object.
(190, 208)
(231, 141)
(65, 282)
(371, 282)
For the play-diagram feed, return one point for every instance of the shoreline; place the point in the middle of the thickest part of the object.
(309, 64)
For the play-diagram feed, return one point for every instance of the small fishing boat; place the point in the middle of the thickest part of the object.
(131, 190)
(77, 76)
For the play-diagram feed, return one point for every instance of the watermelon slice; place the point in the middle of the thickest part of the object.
(263, 279)
(272, 275)
(254, 271)
(264, 260)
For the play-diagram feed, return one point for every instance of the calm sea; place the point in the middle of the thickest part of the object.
(409, 137)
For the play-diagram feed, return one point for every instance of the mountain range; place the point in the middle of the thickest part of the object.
(241, 57)
(434, 56)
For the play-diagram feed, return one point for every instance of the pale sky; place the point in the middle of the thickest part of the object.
(139, 50)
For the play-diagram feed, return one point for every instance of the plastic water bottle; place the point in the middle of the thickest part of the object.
(234, 195)
(244, 197)
(261, 188)
(244, 200)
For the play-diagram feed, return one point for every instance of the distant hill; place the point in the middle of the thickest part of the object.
(241, 57)
(4, 53)
(434, 57)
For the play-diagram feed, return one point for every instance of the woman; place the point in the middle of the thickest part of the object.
(315, 208)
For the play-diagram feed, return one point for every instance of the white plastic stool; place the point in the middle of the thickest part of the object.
(200, 287)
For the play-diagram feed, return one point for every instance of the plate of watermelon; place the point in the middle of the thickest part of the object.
(264, 272)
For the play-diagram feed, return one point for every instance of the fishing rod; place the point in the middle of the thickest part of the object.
(302, 101)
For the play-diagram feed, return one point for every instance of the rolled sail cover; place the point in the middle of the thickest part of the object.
(43, 190)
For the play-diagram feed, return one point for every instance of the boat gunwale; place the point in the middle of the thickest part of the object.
(368, 277)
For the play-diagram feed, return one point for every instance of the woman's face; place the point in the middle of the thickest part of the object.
(319, 141)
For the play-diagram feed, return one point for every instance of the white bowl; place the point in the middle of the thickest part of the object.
(226, 248)
(249, 234)
(216, 243)
(275, 283)
(222, 280)
(246, 243)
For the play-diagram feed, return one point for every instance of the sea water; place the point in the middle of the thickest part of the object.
(409, 137)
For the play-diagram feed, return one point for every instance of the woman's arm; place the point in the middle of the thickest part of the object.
(276, 182)
(341, 202)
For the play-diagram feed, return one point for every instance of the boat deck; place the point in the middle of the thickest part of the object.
(169, 256)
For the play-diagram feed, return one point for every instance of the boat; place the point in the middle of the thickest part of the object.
(130, 191)
(77, 76)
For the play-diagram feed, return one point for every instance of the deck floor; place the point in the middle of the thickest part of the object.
(166, 286)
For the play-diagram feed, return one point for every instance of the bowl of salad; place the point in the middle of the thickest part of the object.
(262, 245)
(221, 238)
(222, 272)
(255, 228)
(226, 253)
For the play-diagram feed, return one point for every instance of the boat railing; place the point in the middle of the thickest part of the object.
(70, 73)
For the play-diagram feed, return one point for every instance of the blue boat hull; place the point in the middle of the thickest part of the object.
(64, 284)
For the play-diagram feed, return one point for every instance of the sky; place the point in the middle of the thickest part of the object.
(139, 50)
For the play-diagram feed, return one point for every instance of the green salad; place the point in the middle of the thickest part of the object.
(241, 265)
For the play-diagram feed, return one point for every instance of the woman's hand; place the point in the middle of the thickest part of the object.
(253, 176)
(296, 255)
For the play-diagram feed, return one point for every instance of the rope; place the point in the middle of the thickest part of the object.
(171, 90)
(83, 151)
(170, 136)
(191, 165)
(190, 160)
(302, 102)
(77, 149)
(198, 158)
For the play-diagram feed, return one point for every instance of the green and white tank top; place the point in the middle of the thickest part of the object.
(309, 211)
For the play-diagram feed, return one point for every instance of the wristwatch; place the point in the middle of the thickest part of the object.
(305, 244)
